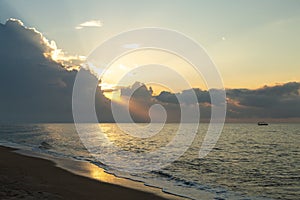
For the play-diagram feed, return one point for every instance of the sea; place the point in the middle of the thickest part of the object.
(247, 162)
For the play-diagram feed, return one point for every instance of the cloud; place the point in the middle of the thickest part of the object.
(48, 48)
(36, 83)
(131, 46)
(137, 90)
(279, 101)
(274, 103)
(70, 62)
(35, 86)
(91, 23)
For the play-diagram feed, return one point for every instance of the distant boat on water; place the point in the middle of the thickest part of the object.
(262, 124)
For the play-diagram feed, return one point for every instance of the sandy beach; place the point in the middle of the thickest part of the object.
(23, 177)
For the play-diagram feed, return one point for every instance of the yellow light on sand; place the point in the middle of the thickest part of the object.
(99, 174)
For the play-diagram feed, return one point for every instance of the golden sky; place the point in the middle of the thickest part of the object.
(253, 43)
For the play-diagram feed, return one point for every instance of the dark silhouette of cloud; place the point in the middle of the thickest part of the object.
(140, 101)
(280, 101)
(137, 91)
(36, 86)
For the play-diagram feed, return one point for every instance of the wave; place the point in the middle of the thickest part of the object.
(45, 145)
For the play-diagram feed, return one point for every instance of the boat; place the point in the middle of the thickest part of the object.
(262, 124)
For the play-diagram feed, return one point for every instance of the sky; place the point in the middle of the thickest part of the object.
(253, 43)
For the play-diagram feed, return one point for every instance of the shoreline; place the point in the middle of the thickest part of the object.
(26, 174)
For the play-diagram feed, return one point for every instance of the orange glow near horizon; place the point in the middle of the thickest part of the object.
(122, 72)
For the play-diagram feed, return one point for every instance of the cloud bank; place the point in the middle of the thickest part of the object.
(36, 83)
(35, 86)
(280, 101)
(274, 103)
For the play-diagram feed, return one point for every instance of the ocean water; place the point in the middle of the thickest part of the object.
(248, 161)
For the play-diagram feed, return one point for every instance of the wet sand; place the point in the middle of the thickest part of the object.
(24, 177)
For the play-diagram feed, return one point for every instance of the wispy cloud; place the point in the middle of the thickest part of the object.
(90, 23)
(131, 46)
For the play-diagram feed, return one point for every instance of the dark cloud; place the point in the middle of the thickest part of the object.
(280, 101)
(35, 87)
(140, 102)
(137, 91)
